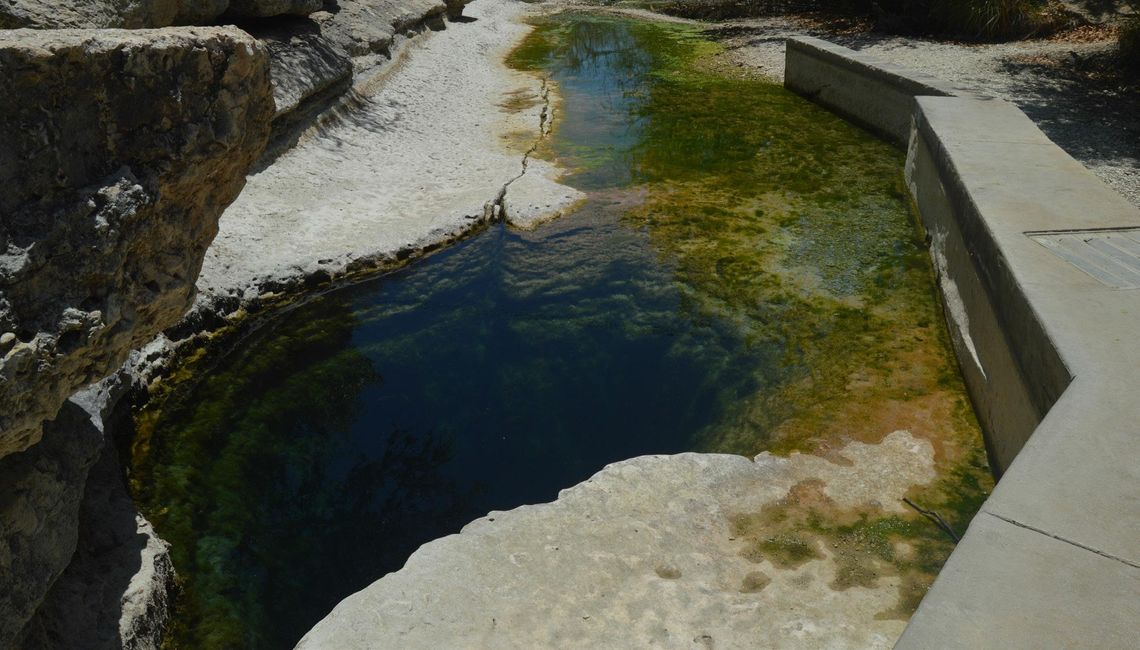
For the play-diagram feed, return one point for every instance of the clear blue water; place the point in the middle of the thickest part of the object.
(355, 428)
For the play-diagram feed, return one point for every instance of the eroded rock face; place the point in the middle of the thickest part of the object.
(198, 12)
(120, 151)
(302, 62)
(63, 14)
(265, 8)
(117, 589)
(361, 27)
(140, 14)
(40, 494)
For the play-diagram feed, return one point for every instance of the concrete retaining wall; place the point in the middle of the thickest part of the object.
(876, 95)
(1033, 254)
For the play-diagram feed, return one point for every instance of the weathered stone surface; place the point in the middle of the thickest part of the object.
(40, 494)
(535, 197)
(198, 12)
(62, 14)
(120, 150)
(265, 8)
(409, 164)
(117, 589)
(645, 554)
(361, 27)
(140, 14)
(302, 62)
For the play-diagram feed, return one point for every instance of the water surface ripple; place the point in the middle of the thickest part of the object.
(744, 276)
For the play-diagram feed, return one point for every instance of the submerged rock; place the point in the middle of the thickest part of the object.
(659, 551)
(121, 150)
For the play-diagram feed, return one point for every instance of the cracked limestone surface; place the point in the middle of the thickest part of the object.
(414, 162)
(652, 551)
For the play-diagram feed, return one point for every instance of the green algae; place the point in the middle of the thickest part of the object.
(782, 229)
(201, 507)
(784, 219)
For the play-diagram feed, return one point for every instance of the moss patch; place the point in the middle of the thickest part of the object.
(788, 291)
(792, 225)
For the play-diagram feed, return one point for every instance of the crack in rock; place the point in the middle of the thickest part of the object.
(496, 210)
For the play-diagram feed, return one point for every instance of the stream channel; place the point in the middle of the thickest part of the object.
(745, 276)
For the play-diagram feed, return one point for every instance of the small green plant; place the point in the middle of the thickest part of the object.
(993, 19)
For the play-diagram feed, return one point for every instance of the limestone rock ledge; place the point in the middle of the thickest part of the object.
(120, 150)
(316, 47)
(645, 554)
(117, 590)
(40, 494)
(322, 54)
(139, 14)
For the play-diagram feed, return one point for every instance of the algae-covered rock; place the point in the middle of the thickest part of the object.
(120, 151)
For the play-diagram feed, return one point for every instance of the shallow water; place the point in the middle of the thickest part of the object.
(744, 277)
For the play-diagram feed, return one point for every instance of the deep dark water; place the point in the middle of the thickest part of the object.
(743, 256)
(491, 375)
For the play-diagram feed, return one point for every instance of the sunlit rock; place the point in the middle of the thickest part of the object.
(121, 149)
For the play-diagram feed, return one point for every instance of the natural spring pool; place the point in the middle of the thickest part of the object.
(744, 276)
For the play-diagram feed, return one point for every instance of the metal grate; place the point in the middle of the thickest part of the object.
(1111, 256)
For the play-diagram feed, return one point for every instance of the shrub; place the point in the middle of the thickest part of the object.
(967, 19)
(994, 19)
(728, 9)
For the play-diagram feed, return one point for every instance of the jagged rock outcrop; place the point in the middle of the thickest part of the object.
(120, 149)
(310, 58)
(117, 590)
(140, 14)
(64, 14)
(302, 62)
(265, 8)
(362, 27)
(318, 56)
(40, 494)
